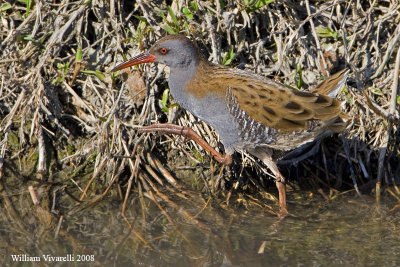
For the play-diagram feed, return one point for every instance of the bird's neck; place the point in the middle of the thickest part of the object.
(181, 75)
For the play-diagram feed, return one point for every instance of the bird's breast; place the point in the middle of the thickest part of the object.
(213, 110)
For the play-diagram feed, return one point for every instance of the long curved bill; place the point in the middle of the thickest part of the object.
(139, 59)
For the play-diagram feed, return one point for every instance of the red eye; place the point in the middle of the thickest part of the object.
(163, 50)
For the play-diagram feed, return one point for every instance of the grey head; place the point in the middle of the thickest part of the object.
(182, 56)
(175, 51)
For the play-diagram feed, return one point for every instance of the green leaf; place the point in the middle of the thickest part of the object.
(142, 25)
(165, 96)
(19, 15)
(174, 19)
(5, 7)
(290, 87)
(162, 15)
(169, 29)
(28, 4)
(327, 33)
(114, 75)
(197, 155)
(78, 56)
(350, 100)
(186, 25)
(228, 57)
(70, 149)
(13, 140)
(376, 91)
(141, 18)
(253, 5)
(60, 65)
(299, 76)
(28, 38)
(96, 73)
(164, 100)
(193, 6)
(174, 105)
(187, 13)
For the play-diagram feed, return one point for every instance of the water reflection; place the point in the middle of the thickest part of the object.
(345, 231)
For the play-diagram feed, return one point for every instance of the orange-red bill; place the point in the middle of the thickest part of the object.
(142, 58)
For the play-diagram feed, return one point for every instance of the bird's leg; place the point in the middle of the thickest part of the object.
(168, 128)
(281, 185)
(265, 155)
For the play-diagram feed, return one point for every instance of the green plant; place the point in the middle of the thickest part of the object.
(4, 7)
(28, 5)
(193, 6)
(253, 5)
(197, 155)
(175, 25)
(376, 91)
(63, 69)
(328, 33)
(96, 73)
(299, 76)
(78, 56)
(348, 96)
(228, 57)
(164, 101)
(171, 27)
(141, 30)
(187, 13)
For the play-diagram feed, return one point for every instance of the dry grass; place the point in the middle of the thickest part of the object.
(65, 120)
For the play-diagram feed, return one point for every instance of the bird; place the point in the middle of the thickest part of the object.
(249, 112)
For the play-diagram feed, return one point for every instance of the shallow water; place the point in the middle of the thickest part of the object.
(345, 231)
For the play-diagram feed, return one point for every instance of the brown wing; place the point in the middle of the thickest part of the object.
(331, 85)
(284, 109)
(265, 101)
